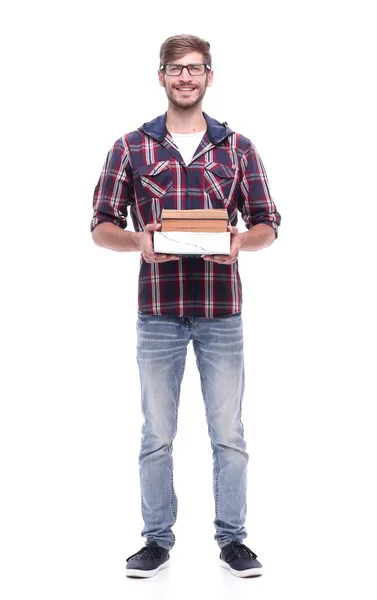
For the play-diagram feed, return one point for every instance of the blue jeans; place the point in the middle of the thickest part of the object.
(161, 355)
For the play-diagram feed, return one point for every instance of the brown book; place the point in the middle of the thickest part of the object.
(194, 225)
(202, 220)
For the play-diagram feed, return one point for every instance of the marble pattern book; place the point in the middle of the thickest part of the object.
(191, 243)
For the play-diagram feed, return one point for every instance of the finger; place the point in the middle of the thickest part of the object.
(214, 259)
(169, 259)
(152, 257)
(223, 257)
(157, 255)
(228, 260)
(162, 257)
(152, 227)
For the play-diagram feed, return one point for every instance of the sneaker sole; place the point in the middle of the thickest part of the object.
(150, 573)
(245, 573)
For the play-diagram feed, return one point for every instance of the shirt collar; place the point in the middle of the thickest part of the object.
(216, 131)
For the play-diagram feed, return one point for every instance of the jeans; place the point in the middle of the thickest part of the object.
(161, 355)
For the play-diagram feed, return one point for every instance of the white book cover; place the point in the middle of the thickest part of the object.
(191, 242)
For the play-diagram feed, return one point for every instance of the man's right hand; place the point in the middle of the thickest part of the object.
(146, 246)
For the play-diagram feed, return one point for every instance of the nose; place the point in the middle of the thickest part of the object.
(185, 75)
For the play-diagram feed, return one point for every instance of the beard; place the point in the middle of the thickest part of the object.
(188, 104)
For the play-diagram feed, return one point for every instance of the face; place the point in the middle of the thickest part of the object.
(186, 91)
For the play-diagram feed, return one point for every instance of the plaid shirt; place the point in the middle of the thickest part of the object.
(144, 172)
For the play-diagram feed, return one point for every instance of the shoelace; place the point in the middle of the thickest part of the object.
(149, 552)
(239, 550)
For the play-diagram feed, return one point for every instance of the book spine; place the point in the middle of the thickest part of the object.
(194, 225)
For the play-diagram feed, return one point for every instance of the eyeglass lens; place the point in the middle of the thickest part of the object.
(194, 69)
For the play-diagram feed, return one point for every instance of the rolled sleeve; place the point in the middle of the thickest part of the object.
(256, 204)
(114, 190)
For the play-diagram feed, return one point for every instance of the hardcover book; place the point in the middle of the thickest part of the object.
(204, 220)
(193, 232)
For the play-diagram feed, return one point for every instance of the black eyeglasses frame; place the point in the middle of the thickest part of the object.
(207, 68)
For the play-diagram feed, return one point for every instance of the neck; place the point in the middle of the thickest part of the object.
(182, 120)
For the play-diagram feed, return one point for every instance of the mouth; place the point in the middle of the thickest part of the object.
(185, 89)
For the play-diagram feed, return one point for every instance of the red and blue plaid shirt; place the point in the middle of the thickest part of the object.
(144, 172)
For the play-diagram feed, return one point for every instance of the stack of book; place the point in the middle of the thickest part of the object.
(193, 232)
(204, 220)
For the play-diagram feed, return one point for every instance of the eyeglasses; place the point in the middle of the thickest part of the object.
(194, 69)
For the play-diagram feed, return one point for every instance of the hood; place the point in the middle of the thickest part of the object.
(216, 131)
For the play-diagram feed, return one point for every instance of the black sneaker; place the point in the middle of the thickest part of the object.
(147, 561)
(240, 560)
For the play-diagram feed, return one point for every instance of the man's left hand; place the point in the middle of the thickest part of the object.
(235, 245)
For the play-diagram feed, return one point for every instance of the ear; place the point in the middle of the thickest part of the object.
(210, 78)
(161, 78)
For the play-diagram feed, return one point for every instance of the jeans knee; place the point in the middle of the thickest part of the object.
(229, 438)
(157, 437)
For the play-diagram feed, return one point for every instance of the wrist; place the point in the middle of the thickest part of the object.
(258, 237)
(138, 236)
(242, 239)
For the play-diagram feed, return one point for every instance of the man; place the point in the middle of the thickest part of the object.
(184, 159)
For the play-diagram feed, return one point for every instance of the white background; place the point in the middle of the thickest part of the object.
(296, 78)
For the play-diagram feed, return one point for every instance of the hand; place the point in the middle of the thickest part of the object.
(146, 246)
(235, 245)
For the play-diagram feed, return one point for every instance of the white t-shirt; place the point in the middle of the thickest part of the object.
(187, 143)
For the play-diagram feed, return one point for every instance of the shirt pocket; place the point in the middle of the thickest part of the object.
(155, 179)
(220, 184)
(151, 183)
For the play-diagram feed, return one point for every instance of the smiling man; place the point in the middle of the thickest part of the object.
(186, 85)
(185, 159)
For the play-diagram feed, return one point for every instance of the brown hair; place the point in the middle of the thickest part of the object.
(179, 45)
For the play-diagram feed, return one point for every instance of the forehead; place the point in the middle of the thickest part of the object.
(192, 57)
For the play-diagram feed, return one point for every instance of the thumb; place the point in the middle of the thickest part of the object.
(153, 227)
